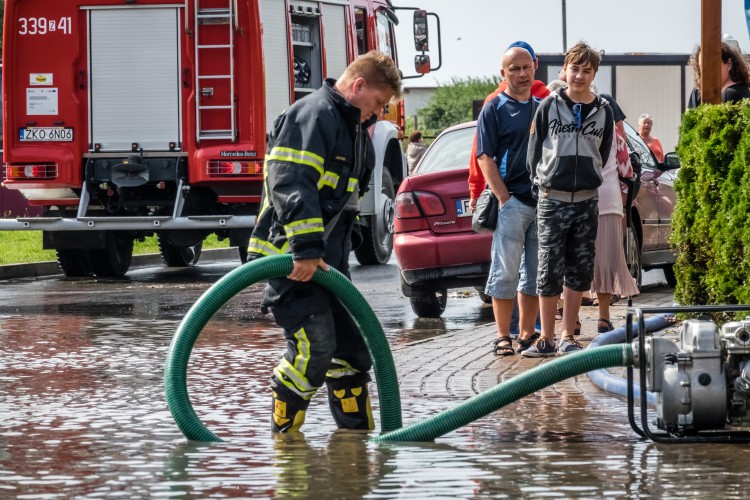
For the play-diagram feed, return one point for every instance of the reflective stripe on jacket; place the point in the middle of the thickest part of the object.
(318, 155)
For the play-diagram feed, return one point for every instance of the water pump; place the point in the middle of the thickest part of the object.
(701, 381)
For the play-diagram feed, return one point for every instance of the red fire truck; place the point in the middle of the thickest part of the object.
(128, 118)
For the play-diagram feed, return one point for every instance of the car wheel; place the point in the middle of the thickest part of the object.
(483, 296)
(431, 305)
(669, 275)
(633, 255)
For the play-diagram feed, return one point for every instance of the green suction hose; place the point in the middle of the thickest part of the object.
(175, 370)
(512, 390)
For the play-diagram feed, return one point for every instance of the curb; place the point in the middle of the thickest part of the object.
(50, 268)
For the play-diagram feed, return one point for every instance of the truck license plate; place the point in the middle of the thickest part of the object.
(462, 208)
(46, 134)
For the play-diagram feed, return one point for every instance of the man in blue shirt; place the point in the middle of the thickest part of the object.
(502, 140)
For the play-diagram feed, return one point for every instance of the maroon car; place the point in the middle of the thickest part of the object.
(437, 250)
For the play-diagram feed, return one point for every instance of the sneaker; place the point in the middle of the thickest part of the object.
(542, 349)
(568, 345)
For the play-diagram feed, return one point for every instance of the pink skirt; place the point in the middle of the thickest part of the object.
(611, 273)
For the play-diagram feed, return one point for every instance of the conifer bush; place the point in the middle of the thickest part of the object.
(711, 221)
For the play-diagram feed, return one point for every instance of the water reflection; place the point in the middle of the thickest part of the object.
(84, 415)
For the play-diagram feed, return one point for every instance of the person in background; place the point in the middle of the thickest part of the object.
(645, 123)
(477, 183)
(735, 75)
(619, 115)
(502, 144)
(556, 85)
(611, 275)
(415, 150)
(570, 142)
(319, 161)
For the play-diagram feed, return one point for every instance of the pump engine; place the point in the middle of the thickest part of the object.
(702, 382)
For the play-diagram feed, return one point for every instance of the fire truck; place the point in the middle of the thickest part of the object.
(130, 118)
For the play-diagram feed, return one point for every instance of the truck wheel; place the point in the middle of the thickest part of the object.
(377, 237)
(633, 255)
(175, 256)
(242, 251)
(431, 305)
(113, 261)
(75, 263)
(669, 275)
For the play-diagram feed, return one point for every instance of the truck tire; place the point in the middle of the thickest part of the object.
(431, 305)
(115, 260)
(174, 256)
(377, 236)
(75, 263)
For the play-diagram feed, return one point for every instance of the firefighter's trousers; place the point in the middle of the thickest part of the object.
(323, 345)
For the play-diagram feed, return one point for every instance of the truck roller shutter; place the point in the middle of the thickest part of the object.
(334, 24)
(275, 58)
(134, 78)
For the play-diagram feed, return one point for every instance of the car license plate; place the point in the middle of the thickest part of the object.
(46, 134)
(462, 208)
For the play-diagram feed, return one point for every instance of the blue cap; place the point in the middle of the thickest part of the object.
(523, 45)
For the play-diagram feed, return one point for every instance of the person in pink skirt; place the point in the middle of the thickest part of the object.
(611, 276)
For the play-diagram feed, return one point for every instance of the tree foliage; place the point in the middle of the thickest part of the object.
(711, 221)
(451, 104)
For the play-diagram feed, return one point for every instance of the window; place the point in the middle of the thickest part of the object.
(360, 19)
(385, 44)
(307, 67)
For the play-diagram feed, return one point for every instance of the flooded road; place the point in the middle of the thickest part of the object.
(84, 413)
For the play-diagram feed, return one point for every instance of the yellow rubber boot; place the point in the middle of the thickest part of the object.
(350, 406)
(288, 413)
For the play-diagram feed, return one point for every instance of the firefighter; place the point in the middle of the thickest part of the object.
(318, 164)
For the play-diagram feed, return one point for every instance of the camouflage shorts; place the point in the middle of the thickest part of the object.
(567, 238)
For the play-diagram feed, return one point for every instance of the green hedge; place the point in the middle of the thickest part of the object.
(711, 222)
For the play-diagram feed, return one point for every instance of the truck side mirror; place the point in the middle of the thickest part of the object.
(422, 64)
(420, 30)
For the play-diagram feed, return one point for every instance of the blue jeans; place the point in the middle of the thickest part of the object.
(514, 252)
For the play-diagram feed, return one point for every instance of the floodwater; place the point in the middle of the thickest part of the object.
(84, 413)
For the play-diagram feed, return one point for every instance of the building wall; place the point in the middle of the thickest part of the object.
(652, 90)
(416, 98)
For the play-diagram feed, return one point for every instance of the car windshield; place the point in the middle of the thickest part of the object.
(450, 151)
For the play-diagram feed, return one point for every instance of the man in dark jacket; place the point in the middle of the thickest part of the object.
(319, 160)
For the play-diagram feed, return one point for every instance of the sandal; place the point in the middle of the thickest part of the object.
(503, 346)
(524, 344)
(604, 329)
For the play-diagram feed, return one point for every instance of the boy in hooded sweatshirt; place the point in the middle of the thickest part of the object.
(570, 141)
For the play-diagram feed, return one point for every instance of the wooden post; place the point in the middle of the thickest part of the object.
(710, 51)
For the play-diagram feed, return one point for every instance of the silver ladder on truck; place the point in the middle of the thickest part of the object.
(206, 17)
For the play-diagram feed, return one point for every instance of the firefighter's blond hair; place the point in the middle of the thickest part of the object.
(378, 70)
